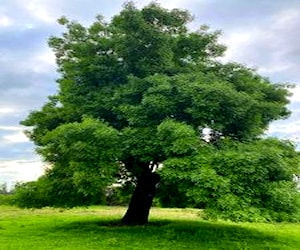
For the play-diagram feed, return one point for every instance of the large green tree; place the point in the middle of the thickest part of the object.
(134, 95)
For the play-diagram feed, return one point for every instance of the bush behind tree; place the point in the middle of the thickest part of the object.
(250, 181)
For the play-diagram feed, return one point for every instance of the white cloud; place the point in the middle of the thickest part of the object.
(286, 17)
(12, 128)
(235, 41)
(38, 9)
(285, 128)
(6, 110)
(296, 94)
(16, 137)
(15, 171)
(274, 69)
(43, 62)
(270, 44)
(5, 21)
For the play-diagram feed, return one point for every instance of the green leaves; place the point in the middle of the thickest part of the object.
(177, 139)
(90, 140)
(141, 143)
(240, 181)
(136, 93)
(89, 151)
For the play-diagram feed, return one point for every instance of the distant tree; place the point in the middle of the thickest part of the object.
(6, 195)
(135, 94)
(3, 188)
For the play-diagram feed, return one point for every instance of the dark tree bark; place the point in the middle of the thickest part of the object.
(141, 200)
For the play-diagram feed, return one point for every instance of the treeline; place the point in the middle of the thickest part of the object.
(35, 194)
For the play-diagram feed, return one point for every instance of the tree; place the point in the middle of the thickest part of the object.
(138, 91)
(3, 188)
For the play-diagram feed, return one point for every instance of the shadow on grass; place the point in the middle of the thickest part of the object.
(166, 233)
(85, 225)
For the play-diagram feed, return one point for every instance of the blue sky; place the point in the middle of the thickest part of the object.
(261, 34)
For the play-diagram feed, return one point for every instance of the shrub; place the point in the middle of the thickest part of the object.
(251, 181)
(57, 193)
(7, 199)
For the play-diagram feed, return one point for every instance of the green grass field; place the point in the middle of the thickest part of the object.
(98, 228)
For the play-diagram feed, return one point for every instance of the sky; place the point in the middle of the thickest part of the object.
(263, 34)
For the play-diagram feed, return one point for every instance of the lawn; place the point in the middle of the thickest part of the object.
(98, 228)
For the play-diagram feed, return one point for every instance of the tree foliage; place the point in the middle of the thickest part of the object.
(250, 181)
(136, 93)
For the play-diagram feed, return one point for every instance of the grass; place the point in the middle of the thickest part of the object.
(98, 228)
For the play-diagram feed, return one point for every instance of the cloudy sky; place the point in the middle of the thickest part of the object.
(259, 33)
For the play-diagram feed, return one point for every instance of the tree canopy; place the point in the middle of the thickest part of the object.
(134, 96)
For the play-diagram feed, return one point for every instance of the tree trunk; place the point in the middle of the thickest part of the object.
(141, 200)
